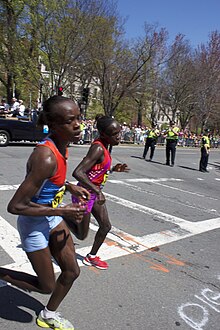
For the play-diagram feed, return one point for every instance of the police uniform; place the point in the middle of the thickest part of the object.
(205, 146)
(171, 142)
(151, 142)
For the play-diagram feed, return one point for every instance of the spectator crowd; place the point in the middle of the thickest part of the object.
(15, 109)
(129, 134)
(137, 135)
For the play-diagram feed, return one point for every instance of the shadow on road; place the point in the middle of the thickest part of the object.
(154, 162)
(147, 160)
(138, 157)
(216, 166)
(188, 168)
(13, 302)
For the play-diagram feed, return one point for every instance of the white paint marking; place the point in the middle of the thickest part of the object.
(145, 180)
(195, 324)
(206, 302)
(126, 246)
(9, 187)
(145, 209)
(195, 320)
(150, 192)
(10, 240)
(185, 191)
(157, 182)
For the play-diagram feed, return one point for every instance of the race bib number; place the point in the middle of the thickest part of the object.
(105, 178)
(58, 198)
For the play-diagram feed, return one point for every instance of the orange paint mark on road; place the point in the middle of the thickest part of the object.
(110, 243)
(166, 233)
(93, 269)
(161, 268)
(154, 265)
(172, 261)
(128, 238)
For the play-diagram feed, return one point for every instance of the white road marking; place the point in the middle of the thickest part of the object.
(145, 180)
(144, 209)
(197, 325)
(9, 187)
(150, 192)
(157, 182)
(15, 186)
(185, 191)
(124, 243)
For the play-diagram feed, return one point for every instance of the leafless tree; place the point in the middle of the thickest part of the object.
(207, 63)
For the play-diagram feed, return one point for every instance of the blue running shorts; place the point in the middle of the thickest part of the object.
(35, 231)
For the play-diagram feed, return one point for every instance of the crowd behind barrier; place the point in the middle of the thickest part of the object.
(137, 135)
(129, 134)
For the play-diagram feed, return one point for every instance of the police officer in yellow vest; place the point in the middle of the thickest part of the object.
(151, 141)
(171, 141)
(205, 148)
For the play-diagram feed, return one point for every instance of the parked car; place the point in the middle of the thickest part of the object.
(20, 129)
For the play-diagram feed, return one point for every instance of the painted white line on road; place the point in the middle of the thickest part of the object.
(9, 187)
(124, 243)
(145, 180)
(10, 242)
(186, 230)
(15, 186)
(157, 182)
(145, 209)
(186, 191)
(150, 192)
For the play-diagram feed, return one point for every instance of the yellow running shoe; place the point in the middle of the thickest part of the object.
(56, 323)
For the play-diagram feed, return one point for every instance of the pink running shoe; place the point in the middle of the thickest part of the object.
(96, 262)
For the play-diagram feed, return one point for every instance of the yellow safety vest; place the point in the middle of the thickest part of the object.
(171, 135)
(152, 134)
(82, 126)
(205, 141)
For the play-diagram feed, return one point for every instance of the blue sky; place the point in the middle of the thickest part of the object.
(193, 18)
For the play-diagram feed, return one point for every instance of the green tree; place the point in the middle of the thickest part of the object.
(10, 12)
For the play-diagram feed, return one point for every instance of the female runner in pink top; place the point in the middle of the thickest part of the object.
(92, 174)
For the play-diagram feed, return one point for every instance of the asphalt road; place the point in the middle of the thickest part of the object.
(163, 250)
